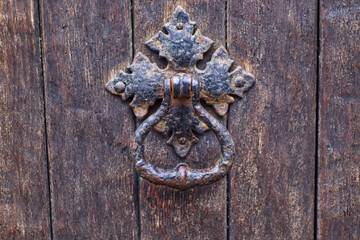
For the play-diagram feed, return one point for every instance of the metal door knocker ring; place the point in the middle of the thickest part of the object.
(181, 86)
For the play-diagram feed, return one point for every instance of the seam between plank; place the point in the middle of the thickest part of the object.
(42, 78)
(317, 82)
(136, 189)
(228, 177)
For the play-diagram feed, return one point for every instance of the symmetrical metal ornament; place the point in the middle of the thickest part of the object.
(181, 85)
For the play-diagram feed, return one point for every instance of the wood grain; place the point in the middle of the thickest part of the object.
(93, 190)
(24, 196)
(165, 213)
(339, 121)
(85, 44)
(272, 180)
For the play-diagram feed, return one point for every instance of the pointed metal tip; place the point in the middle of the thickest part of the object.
(140, 57)
(110, 86)
(140, 110)
(222, 47)
(221, 50)
(179, 8)
(178, 11)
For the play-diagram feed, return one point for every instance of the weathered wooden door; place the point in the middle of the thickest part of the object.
(65, 169)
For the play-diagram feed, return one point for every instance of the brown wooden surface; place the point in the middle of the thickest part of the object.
(85, 43)
(273, 126)
(166, 213)
(24, 197)
(339, 125)
(94, 193)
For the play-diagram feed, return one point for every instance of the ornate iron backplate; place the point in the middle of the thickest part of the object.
(180, 86)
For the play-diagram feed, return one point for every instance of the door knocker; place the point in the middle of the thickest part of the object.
(181, 85)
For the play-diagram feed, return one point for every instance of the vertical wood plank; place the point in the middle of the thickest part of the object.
(339, 121)
(85, 44)
(272, 180)
(24, 197)
(165, 213)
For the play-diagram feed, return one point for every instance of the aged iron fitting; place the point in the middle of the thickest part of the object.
(181, 86)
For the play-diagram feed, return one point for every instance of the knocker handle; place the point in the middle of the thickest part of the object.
(180, 86)
(182, 176)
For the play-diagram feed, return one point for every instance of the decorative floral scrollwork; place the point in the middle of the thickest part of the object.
(183, 46)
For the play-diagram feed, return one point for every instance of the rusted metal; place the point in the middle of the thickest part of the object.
(181, 86)
(182, 176)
